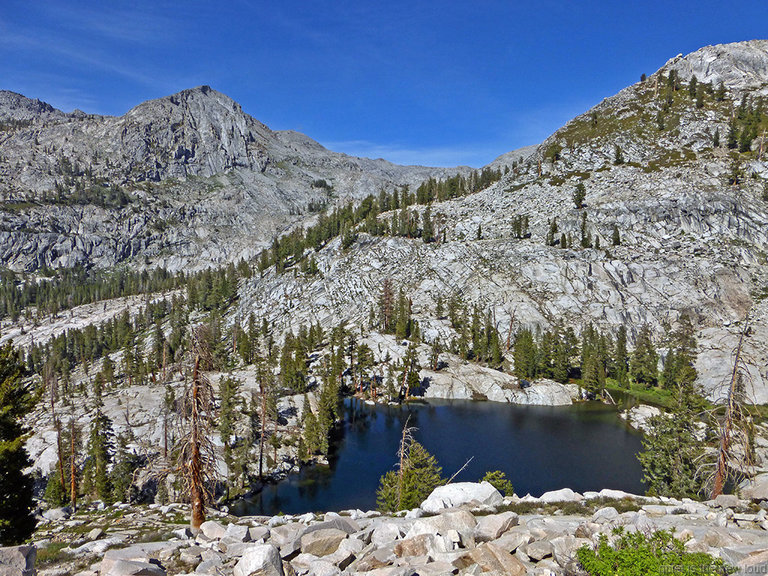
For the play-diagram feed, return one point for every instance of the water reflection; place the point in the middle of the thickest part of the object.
(584, 447)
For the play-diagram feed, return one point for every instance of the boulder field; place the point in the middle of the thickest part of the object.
(461, 528)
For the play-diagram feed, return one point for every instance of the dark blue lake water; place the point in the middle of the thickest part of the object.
(583, 447)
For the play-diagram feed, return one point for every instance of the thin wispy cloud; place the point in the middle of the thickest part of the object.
(140, 24)
(83, 56)
(448, 156)
(101, 42)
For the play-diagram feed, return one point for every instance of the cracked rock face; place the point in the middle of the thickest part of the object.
(740, 66)
(200, 183)
(690, 242)
(208, 184)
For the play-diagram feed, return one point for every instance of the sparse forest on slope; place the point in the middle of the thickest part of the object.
(181, 182)
(623, 253)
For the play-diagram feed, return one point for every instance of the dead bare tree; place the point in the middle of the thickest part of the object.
(49, 383)
(734, 453)
(196, 458)
(60, 452)
(511, 325)
(72, 464)
(405, 445)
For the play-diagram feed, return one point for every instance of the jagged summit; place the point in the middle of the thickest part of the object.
(199, 98)
(201, 132)
(739, 65)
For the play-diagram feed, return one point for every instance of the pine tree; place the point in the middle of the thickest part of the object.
(620, 358)
(734, 177)
(733, 135)
(434, 354)
(387, 306)
(745, 140)
(99, 451)
(618, 157)
(417, 475)
(561, 357)
(586, 235)
(525, 353)
(195, 450)
(615, 237)
(499, 480)
(580, 194)
(312, 433)
(720, 92)
(671, 453)
(17, 522)
(692, 87)
(228, 399)
(403, 323)
(645, 359)
(122, 472)
(410, 371)
(551, 233)
(427, 227)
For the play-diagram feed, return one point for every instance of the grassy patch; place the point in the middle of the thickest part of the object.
(670, 158)
(642, 395)
(582, 508)
(51, 555)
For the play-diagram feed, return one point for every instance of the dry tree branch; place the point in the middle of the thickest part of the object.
(460, 470)
(406, 441)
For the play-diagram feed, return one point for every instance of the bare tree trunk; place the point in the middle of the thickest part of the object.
(400, 468)
(274, 444)
(725, 433)
(72, 475)
(197, 490)
(165, 435)
(165, 360)
(57, 424)
(59, 452)
(263, 430)
(509, 332)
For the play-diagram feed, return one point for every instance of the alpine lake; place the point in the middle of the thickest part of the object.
(585, 446)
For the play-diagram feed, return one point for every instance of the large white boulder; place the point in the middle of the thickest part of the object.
(261, 559)
(18, 560)
(562, 495)
(452, 495)
(756, 489)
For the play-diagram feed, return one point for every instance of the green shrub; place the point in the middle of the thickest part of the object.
(499, 480)
(55, 494)
(638, 554)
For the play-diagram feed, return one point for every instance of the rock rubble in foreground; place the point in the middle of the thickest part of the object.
(480, 532)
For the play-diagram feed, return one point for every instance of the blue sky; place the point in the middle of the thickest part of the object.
(426, 82)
